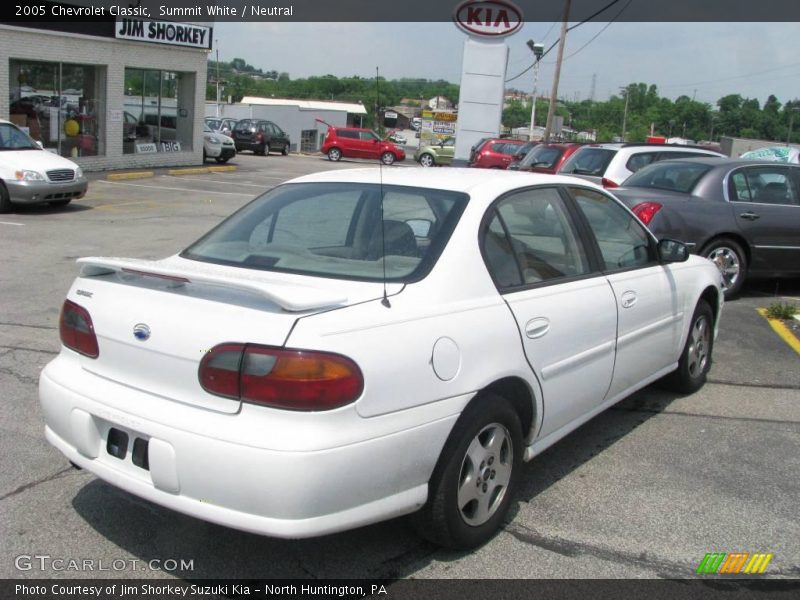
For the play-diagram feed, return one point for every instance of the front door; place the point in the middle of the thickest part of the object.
(566, 313)
(649, 305)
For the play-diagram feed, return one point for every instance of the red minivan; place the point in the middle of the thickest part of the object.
(352, 142)
(495, 153)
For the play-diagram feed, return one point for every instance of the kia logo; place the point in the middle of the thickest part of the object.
(492, 18)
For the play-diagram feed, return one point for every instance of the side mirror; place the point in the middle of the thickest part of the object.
(670, 251)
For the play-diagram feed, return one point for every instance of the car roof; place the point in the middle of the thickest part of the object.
(724, 161)
(475, 182)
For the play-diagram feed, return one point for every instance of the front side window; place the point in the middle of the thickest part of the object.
(369, 136)
(763, 185)
(623, 242)
(340, 230)
(61, 105)
(531, 239)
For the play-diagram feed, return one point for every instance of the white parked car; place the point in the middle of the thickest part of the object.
(357, 345)
(31, 175)
(611, 164)
(217, 145)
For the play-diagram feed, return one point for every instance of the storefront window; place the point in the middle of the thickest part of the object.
(61, 105)
(155, 120)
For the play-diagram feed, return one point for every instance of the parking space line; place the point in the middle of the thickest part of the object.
(10, 223)
(231, 182)
(161, 187)
(782, 331)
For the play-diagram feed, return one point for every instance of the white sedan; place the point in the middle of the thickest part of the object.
(361, 344)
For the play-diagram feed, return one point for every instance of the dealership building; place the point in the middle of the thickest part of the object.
(108, 93)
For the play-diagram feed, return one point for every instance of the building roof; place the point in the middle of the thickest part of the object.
(348, 107)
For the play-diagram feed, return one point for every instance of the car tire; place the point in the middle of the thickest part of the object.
(695, 360)
(221, 160)
(467, 500)
(59, 203)
(731, 261)
(387, 158)
(334, 154)
(427, 160)
(5, 200)
(285, 150)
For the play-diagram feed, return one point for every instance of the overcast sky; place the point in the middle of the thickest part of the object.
(701, 60)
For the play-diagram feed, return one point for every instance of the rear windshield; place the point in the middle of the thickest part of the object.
(339, 230)
(589, 161)
(542, 156)
(668, 175)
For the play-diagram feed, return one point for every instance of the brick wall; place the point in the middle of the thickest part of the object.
(114, 56)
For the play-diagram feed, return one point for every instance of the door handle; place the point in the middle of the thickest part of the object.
(750, 216)
(628, 299)
(536, 328)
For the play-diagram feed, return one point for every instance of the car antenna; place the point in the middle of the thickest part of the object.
(385, 300)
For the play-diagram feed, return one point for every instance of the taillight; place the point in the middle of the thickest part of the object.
(76, 330)
(646, 211)
(607, 183)
(281, 378)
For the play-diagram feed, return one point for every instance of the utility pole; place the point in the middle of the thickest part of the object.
(554, 93)
(216, 43)
(625, 112)
(538, 51)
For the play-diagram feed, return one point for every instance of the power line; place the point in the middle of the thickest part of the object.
(601, 31)
(554, 44)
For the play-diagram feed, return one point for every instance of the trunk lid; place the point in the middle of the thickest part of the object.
(155, 320)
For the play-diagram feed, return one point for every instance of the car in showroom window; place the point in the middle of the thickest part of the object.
(327, 330)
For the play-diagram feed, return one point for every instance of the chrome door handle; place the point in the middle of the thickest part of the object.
(536, 328)
(750, 216)
(628, 299)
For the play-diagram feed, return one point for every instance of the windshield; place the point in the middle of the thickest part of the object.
(668, 175)
(13, 138)
(334, 230)
(589, 161)
(542, 156)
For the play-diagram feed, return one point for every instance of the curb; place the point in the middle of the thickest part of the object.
(132, 175)
(188, 171)
(783, 332)
(226, 169)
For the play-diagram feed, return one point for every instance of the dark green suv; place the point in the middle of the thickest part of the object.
(262, 137)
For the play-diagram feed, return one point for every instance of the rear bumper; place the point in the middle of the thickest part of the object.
(218, 477)
(32, 192)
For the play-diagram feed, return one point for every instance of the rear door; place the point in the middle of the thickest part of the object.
(565, 310)
(765, 201)
(648, 300)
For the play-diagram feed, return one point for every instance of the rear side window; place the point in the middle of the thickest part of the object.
(531, 239)
(344, 133)
(639, 160)
(589, 161)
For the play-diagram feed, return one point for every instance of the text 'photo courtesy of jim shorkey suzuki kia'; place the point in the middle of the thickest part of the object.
(327, 331)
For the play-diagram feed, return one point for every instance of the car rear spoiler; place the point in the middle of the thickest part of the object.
(290, 297)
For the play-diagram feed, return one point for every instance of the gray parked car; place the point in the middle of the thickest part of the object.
(744, 215)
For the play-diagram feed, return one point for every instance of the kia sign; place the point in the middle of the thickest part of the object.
(488, 18)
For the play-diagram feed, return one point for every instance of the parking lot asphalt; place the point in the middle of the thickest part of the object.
(644, 490)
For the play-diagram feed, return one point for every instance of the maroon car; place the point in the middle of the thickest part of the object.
(495, 153)
(547, 158)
